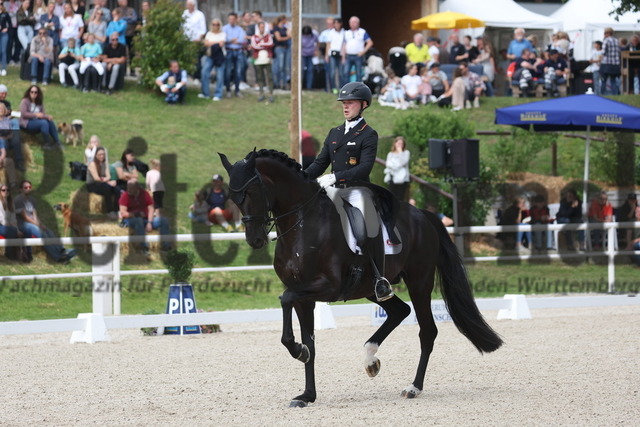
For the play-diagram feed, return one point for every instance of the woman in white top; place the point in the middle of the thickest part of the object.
(396, 173)
(488, 62)
(214, 42)
(8, 221)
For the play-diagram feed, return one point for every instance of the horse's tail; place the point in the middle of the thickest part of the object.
(457, 293)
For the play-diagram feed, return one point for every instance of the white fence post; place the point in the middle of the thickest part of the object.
(611, 250)
(103, 255)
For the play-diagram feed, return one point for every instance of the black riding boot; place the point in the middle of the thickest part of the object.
(382, 286)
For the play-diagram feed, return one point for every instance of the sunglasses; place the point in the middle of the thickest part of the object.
(26, 187)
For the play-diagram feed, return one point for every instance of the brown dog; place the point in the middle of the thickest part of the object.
(80, 226)
(72, 133)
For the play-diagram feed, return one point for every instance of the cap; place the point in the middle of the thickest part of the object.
(632, 196)
(217, 177)
(435, 64)
(3, 89)
(431, 39)
(553, 51)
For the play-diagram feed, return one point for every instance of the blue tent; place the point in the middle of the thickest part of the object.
(580, 112)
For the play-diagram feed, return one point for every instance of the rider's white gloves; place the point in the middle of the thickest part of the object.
(327, 180)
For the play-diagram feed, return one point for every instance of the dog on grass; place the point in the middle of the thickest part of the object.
(80, 225)
(72, 133)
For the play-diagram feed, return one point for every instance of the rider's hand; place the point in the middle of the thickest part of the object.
(327, 180)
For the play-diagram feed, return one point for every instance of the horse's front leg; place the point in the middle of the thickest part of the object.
(304, 310)
(297, 350)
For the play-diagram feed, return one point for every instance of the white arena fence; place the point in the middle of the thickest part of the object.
(93, 327)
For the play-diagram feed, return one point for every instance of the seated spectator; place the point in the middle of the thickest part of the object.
(137, 213)
(221, 208)
(556, 71)
(125, 169)
(513, 215)
(41, 52)
(474, 86)
(446, 221)
(634, 243)
(6, 163)
(199, 210)
(99, 181)
(97, 26)
(600, 211)
(33, 117)
(90, 151)
(424, 89)
(12, 143)
(90, 57)
(31, 227)
(570, 212)
(438, 80)
(173, 83)
(69, 61)
(411, 83)
(627, 213)
(8, 221)
(525, 69)
(114, 57)
(539, 213)
(155, 186)
(455, 96)
(392, 94)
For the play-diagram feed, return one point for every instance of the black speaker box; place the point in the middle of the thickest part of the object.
(438, 153)
(465, 158)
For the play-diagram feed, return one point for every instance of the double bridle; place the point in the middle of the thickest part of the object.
(268, 221)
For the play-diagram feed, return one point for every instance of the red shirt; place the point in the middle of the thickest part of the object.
(136, 206)
(599, 211)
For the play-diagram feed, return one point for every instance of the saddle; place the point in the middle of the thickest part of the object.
(358, 226)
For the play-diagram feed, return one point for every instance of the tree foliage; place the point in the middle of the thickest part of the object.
(162, 39)
(624, 6)
(515, 153)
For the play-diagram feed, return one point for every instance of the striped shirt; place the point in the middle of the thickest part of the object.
(611, 49)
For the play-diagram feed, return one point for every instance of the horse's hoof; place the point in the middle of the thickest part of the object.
(298, 404)
(410, 392)
(304, 355)
(374, 368)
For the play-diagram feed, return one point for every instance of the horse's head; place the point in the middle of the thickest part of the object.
(248, 192)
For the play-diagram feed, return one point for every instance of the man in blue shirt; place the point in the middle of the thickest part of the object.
(173, 83)
(517, 44)
(236, 38)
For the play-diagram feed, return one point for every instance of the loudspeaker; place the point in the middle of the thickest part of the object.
(438, 153)
(465, 158)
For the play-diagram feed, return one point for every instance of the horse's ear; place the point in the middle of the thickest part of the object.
(225, 162)
(250, 160)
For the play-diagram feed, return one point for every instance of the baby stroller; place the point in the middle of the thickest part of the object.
(375, 77)
(398, 61)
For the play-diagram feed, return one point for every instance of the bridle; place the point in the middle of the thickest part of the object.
(268, 222)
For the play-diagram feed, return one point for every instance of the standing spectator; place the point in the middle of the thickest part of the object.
(438, 80)
(34, 118)
(234, 44)
(26, 22)
(156, 186)
(457, 52)
(194, 26)
(5, 27)
(131, 18)
(570, 212)
(114, 58)
(13, 143)
(262, 45)
(418, 52)
(41, 53)
(90, 53)
(596, 58)
(69, 61)
(533, 39)
(610, 64)
(309, 44)
(396, 172)
(214, 42)
(31, 227)
(78, 7)
(100, 181)
(627, 213)
(39, 9)
(411, 84)
(434, 50)
(98, 5)
(14, 48)
(334, 57)
(58, 8)
(173, 82)
(486, 58)
(137, 213)
(308, 148)
(472, 51)
(324, 40)
(7, 167)
(282, 52)
(97, 26)
(72, 26)
(117, 26)
(518, 44)
(51, 22)
(356, 43)
(600, 211)
(8, 222)
(562, 44)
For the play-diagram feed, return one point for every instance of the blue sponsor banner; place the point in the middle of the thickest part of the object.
(438, 308)
(181, 301)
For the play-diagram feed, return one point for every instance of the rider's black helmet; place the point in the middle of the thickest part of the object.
(355, 90)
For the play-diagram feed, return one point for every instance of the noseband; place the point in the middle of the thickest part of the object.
(267, 221)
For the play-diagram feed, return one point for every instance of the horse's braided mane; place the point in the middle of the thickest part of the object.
(282, 157)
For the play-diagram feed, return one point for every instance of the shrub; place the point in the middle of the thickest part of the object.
(423, 124)
(514, 153)
(180, 264)
(162, 39)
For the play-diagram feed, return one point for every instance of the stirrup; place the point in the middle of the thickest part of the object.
(383, 289)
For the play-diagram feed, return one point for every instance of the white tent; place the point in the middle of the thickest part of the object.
(585, 20)
(501, 14)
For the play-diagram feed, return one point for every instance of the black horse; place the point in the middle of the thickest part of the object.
(315, 263)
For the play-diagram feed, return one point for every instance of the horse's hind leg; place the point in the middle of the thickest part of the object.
(397, 310)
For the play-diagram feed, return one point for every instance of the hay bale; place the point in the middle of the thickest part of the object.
(30, 138)
(114, 229)
(27, 154)
(87, 203)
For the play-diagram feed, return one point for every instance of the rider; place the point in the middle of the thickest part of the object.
(350, 149)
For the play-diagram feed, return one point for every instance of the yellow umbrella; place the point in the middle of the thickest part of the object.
(446, 21)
